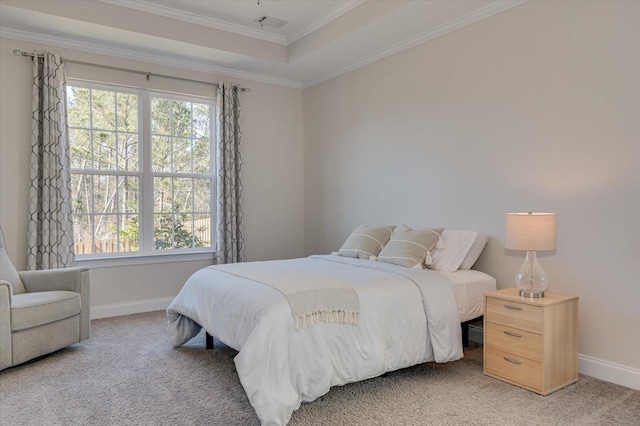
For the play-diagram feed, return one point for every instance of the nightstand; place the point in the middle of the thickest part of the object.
(531, 343)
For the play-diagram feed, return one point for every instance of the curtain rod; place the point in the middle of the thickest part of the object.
(19, 52)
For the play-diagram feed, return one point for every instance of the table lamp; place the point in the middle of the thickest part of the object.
(531, 232)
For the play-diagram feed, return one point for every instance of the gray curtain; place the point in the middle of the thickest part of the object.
(50, 228)
(229, 240)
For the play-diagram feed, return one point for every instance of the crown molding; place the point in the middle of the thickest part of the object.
(137, 55)
(468, 19)
(192, 18)
(336, 13)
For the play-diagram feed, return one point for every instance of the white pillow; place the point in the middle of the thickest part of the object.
(456, 246)
(475, 251)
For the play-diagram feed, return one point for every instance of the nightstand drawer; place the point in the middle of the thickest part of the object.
(513, 340)
(513, 368)
(515, 314)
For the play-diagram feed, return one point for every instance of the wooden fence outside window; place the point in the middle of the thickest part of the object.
(201, 230)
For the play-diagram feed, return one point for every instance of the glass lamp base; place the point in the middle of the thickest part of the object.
(531, 279)
(525, 293)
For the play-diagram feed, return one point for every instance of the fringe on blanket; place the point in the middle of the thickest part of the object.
(337, 315)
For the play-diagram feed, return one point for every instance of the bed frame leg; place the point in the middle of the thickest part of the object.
(208, 341)
(465, 334)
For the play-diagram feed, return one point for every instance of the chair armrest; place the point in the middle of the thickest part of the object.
(69, 279)
(8, 294)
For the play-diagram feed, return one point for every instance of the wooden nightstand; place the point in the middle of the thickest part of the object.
(531, 343)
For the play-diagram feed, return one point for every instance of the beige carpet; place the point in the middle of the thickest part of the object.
(128, 374)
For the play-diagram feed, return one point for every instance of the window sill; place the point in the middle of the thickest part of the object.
(142, 259)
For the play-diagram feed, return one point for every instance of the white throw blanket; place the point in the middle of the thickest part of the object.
(313, 296)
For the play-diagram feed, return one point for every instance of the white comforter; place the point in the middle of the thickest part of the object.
(407, 317)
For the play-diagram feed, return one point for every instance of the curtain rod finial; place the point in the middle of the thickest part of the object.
(18, 52)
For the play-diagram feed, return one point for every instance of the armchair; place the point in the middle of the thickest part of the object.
(40, 311)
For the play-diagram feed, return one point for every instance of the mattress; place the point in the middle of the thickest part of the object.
(469, 287)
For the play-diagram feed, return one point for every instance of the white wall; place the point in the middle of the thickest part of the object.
(535, 109)
(272, 158)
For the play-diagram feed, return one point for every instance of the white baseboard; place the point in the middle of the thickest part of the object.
(609, 371)
(127, 308)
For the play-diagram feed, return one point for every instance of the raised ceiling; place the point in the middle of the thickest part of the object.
(240, 16)
(319, 40)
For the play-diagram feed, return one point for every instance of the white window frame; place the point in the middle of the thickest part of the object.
(147, 254)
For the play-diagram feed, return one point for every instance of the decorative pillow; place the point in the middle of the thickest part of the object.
(410, 247)
(456, 246)
(475, 251)
(366, 242)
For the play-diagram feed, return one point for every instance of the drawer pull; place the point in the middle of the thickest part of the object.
(509, 333)
(513, 361)
(515, 308)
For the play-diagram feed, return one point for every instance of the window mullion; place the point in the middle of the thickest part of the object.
(146, 213)
(93, 165)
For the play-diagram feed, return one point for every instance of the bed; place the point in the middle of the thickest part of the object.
(406, 317)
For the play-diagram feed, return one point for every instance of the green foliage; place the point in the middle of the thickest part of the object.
(172, 233)
(131, 232)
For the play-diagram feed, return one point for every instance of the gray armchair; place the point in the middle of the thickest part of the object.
(40, 311)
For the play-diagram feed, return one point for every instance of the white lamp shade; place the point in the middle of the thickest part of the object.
(530, 231)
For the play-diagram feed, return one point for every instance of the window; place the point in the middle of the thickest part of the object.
(141, 169)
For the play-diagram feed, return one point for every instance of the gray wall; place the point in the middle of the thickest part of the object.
(535, 109)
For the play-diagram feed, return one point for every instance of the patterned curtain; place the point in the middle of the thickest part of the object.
(229, 240)
(50, 229)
